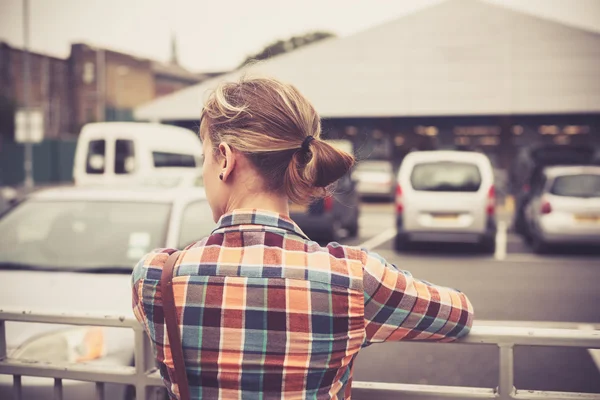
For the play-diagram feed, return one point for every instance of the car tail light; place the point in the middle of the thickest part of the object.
(328, 203)
(546, 207)
(491, 201)
(399, 204)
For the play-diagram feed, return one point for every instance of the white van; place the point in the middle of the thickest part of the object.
(114, 153)
(446, 196)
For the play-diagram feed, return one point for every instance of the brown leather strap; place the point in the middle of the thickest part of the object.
(170, 314)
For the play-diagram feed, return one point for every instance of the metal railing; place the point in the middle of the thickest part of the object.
(144, 376)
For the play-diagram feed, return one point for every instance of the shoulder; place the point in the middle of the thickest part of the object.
(150, 266)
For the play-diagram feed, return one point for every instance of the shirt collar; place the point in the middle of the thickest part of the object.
(244, 217)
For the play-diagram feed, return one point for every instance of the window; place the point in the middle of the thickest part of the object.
(124, 157)
(446, 177)
(196, 223)
(96, 157)
(162, 159)
(585, 185)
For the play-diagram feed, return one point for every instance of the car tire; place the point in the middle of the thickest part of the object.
(401, 242)
(538, 244)
(334, 231)
(353, 228)
(488, 245)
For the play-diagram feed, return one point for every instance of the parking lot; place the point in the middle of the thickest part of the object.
(513, 284)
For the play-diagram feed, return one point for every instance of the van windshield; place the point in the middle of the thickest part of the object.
(584, 185)
(164, 159)
(446, 176)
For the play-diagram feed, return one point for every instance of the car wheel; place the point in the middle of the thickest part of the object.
(334, 233)
(401, 242)
(488, 245)
(353, 228)
(538, 244)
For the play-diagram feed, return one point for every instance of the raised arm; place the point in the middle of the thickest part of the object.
(400, 307)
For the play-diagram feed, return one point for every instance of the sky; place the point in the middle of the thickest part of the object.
(217, 35)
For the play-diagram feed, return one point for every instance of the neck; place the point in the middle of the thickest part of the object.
(263, 201)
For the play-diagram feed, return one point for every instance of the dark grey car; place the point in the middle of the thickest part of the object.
(333, 217)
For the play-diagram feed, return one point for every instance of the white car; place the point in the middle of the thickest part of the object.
(375, 179)
(72, 250)
(446, 196)
(565, 207)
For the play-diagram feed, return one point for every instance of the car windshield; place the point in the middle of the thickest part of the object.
(446, 177)
(80, 235)
(584, 185)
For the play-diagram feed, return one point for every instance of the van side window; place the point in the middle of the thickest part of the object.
(96, 157)
(124, 157)
(162, 159)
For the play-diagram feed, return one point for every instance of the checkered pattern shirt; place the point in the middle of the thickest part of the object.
(265, 313)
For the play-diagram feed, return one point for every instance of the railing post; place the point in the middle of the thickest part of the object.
(58, 389)
(17, 388)
(506, 384)
(2, 340)
(140, 357)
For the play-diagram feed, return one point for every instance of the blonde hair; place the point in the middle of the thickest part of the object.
(268, 121)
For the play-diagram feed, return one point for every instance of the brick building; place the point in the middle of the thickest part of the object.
(90, 85)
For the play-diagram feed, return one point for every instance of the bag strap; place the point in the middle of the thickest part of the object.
(170, 315)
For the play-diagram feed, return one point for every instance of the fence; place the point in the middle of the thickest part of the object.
(52, 162)
(143, 376)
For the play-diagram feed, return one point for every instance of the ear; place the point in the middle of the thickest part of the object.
(227, 160)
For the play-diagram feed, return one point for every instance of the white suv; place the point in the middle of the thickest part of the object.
(446, 196)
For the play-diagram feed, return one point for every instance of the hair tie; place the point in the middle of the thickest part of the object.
(306, 143)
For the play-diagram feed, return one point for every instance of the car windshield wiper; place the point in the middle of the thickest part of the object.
(25, 267)
(105, 269)
(100, 269)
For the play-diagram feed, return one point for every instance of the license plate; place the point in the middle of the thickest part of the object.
(445, 217)
(588, 218)
(297, 208)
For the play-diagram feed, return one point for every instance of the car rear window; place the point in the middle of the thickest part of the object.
(446, 177)
(584, 185)
(366, 166)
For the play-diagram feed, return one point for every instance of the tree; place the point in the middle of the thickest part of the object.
(284, 46)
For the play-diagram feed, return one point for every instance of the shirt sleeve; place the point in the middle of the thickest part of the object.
(400, 307)
(149, 268)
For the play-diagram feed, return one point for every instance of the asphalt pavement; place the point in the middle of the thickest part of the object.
(512, 285)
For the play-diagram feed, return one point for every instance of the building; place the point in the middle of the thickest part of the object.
(91, 85)
(463, 73)
(49, 86)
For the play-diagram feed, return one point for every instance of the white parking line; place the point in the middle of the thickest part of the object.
(378, 240)
(501, 241)
(594, 353)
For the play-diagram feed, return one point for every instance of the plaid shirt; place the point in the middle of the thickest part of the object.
(266, 313)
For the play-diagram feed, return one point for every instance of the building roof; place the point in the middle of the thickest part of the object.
(174, 71)
(460, 57)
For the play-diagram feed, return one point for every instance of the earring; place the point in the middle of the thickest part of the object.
(221, 176)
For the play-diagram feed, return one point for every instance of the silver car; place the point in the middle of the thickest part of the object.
(375, 179)
(72, 250)
(565, 207)
(446, 196)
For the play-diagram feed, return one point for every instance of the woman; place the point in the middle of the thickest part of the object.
(265, 312)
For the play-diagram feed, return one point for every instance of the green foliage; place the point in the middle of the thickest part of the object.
(284, 46)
